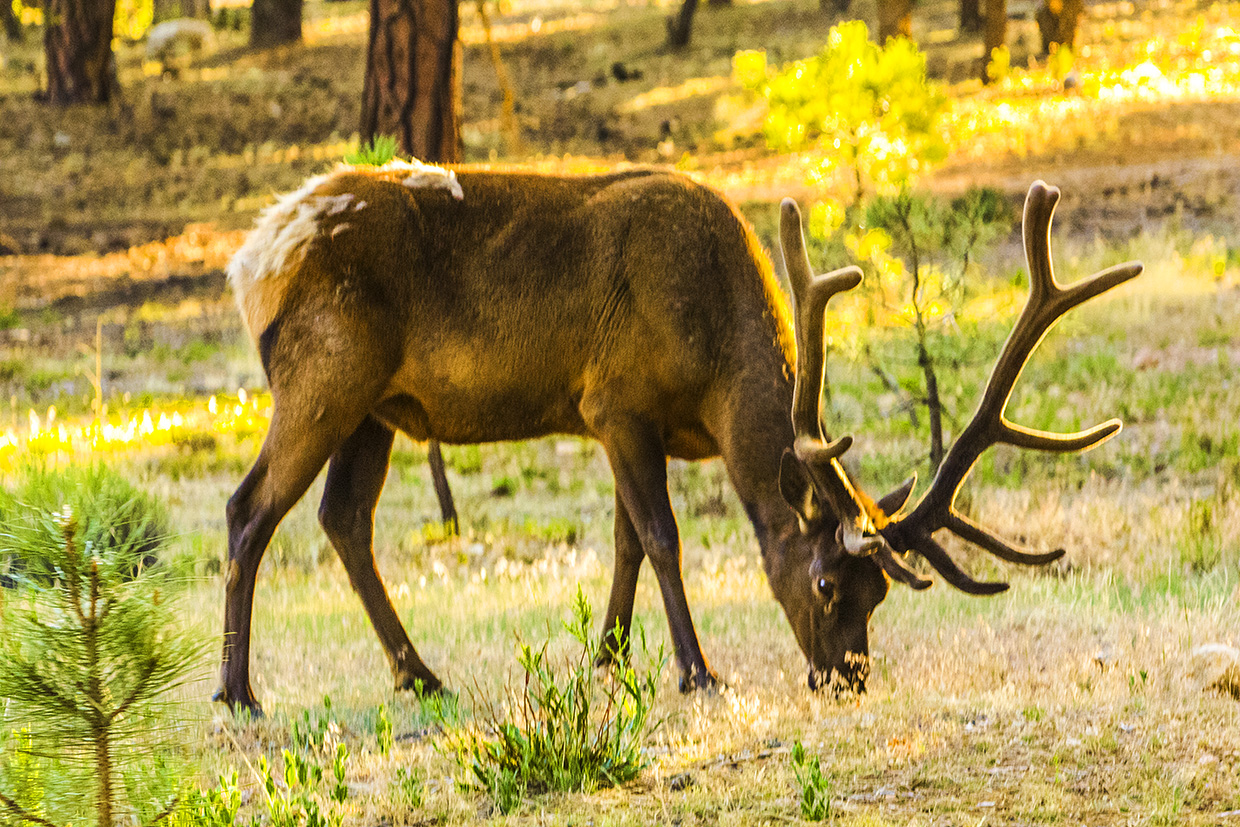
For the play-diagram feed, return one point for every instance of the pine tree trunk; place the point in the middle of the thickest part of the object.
(1058, 21)
(995, 33)
(12, 26)
(680, 25)
(834, 6)
(895, 19)
(1069, 21)
(274, 22)
(412, 89)
(77, 44)
(412, 92)
(934, 406)
(970, 15)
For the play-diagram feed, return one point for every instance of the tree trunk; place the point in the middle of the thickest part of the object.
(412, 89)
(1057, 23)
(680, 25)
(834, 6)
(274, 23)
(895, 19)
(12, 26)
(934, 406)
(995, 33)
(1069, 20)
(970, 15)
(412, 92)
(77, 44)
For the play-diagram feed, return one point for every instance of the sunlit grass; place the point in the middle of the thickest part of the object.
(174, 423)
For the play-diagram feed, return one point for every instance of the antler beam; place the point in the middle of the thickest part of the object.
(813, 448)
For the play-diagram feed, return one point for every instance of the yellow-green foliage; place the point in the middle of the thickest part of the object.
(872, 104)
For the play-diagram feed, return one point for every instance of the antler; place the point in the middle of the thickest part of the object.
(812, 447)
(817, 452)
(1048, 301)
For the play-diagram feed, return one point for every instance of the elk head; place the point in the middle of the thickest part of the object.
(851, 545)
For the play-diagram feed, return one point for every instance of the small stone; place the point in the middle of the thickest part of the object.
(680, 781)
(1216, 667)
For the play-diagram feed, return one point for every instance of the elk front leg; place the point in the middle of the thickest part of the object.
(639, 463)
(355, 478)
(619, 619)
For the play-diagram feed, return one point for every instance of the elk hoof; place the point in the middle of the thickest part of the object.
(240, 707)
(420, 686)
(706, 680)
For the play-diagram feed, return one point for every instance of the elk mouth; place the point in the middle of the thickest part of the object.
(842, 680)
(840, 662)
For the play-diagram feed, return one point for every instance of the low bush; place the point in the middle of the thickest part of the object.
(562, 729)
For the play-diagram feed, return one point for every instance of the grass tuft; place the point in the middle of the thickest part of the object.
(561, 731)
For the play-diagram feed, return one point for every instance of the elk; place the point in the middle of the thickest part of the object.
(636, 308)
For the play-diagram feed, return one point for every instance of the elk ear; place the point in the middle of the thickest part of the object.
(892, 503)
(798, 489)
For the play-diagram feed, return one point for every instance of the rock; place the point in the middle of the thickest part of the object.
(680, 781)
(166, 40)
(1216, 667)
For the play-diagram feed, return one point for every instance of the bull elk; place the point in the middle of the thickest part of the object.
(635, 308)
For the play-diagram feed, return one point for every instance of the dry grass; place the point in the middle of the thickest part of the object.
(1072, 699)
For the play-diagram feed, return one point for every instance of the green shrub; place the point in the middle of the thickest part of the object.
(871, 107)
(409, 788)
(383, 731)
(299, 801)
(814, 789)
(112, 518)
(377, 152)
(563, 731)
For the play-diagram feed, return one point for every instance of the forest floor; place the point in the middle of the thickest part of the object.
(1075, 698)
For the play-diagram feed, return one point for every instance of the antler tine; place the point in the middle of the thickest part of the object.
(810, 295)
(1048, 302)
(943, 563)
(966, 529)
(896, 569)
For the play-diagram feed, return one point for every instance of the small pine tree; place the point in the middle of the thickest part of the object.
(87, 657)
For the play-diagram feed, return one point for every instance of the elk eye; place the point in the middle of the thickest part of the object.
(825, 589)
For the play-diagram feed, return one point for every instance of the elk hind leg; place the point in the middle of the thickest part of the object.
(355, 478)
(619, 619)
(292, 455)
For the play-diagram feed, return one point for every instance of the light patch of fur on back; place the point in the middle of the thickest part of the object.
(415, 175)
(284, 232)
